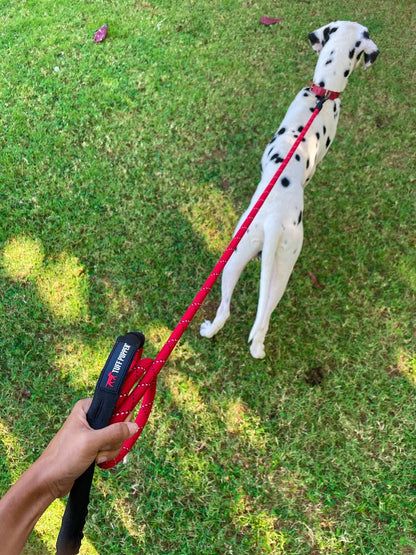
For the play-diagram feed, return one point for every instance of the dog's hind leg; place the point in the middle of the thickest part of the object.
(278, 260)
(246, 250)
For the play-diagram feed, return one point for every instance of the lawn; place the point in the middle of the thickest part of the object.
(124, 167)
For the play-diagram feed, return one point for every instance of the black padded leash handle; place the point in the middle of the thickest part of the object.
(99, 414)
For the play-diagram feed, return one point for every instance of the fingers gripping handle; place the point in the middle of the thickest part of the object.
(144, 392)
(105, 398)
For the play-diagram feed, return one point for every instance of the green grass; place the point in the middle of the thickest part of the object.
(124, 167)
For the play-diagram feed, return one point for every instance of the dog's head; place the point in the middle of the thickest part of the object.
(354, 36)
(341, 45)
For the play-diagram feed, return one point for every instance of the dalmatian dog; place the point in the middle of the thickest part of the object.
(277, 230)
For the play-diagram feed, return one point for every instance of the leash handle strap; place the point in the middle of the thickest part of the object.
(146, 387)
(105, 398)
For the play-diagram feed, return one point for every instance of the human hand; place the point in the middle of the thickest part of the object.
(77, 445)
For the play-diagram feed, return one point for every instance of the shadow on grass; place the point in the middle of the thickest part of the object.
(239, 453)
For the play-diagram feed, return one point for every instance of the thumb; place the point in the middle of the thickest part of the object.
(114, 435)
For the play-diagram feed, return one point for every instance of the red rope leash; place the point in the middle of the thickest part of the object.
(146, 370)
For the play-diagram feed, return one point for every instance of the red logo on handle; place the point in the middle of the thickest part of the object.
(111, 379)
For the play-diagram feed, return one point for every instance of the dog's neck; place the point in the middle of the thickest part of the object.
(333, 68)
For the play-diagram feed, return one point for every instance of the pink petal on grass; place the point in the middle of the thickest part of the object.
(270, 20)
(314, 279)
(101, 34)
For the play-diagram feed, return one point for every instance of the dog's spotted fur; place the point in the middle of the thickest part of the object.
(277, 230)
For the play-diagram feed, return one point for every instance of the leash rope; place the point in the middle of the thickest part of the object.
(146, 370)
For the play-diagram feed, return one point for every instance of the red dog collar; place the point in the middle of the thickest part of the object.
(320, 91)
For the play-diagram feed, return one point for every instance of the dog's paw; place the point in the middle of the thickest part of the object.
(207, 329)
(257, 350)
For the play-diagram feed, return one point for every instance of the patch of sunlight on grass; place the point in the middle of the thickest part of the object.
(118, 302)
(12, 449)
(212, 217)
(157, 334)
(406, 364)
(124, 511)
(408, 272)
(80, 364)
(63, 287)
(260, 527)
(239, 420)
(48, 527)
(326, 541)
(184, 392)
(22, 258)
(235, 417)
(194, 468)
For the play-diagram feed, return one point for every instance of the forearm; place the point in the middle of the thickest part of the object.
(21, 508)
(67, 456)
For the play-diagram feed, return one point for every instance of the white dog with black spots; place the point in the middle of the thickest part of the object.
(277, 230)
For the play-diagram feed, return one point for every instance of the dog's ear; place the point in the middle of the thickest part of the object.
(370, 52)
(319, 37)
(367, 47)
